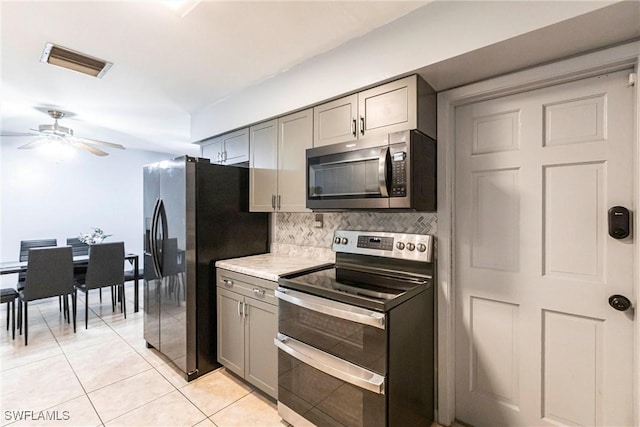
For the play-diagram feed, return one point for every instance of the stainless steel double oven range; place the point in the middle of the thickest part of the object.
(356, 341)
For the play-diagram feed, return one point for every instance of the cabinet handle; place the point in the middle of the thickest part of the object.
(353, 128)
(278, 202)
(259, 292)
(273, 201)
(244, 309)
(361, 125)
(224, 156)
(239, 308)
(227, 282)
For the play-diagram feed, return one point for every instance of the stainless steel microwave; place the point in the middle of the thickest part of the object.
(396, 171)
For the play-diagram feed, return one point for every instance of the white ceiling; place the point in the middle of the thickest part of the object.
(166, 67)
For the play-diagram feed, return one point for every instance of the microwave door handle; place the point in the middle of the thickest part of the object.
(382, 172)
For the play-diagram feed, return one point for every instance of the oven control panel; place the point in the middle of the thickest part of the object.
(417, 247)
(375, 242)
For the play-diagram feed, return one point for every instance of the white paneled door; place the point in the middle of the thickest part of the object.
(537, 342)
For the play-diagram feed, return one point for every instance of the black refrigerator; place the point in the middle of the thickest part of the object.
(195, 213)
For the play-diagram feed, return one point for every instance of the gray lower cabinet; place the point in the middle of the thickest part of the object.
(247, 325)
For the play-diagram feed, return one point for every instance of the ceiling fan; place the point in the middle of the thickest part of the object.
(54, 133)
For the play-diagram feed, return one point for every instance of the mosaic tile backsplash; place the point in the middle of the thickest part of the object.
(298, 228)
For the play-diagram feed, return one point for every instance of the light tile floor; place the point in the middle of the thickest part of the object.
(105, 376)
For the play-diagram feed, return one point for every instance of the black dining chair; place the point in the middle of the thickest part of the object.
(79, 248)
(25, 245)
(105, 268)
(49, 274)
(130, 275)
(9, 295)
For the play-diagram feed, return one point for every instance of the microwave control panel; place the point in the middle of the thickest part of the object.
(398, 174)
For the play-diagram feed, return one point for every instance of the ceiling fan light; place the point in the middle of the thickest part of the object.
(56, 135)
(56, 129)
(76, 61)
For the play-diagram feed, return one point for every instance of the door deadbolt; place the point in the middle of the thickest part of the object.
(619, 222)
(619, 302)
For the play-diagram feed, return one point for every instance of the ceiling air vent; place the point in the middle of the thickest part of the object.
(76, 61)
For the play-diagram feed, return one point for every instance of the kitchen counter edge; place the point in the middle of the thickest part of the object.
(270, 266)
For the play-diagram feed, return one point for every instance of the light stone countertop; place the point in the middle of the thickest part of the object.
(269, 266)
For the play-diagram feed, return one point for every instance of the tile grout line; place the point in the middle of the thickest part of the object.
(47, 324)
(71, 366)
(74, 371)
(64, 354)
(219, 410)
(196, 406)
(113, 323)
(150, 368)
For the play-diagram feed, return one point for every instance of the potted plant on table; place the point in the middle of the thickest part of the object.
(94, 237)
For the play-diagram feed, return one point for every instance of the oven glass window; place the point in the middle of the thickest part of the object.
(325, 400)
(361, 344)
(346, 175)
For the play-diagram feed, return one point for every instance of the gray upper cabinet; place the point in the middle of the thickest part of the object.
(228, 149)
(277, 164)
(295, 135)
(403, 104)
(263, 164)
(335, 121)
(212, 149)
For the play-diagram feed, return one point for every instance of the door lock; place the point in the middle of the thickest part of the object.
(619, 302)
(619, 222)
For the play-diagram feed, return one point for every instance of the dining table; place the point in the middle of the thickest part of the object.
(13, 267)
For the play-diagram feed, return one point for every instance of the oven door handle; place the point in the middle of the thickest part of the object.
(331, 365)
(332, 308)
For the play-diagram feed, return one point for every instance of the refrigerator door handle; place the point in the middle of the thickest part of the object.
(153, 242)
(162, 219)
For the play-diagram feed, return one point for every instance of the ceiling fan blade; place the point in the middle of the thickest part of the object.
(89, 148)
(95, 141)
(7, 134)
(33, 144)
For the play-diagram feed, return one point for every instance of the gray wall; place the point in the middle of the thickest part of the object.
(51, 195)
(438, 31)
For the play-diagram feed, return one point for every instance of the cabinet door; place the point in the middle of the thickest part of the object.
(388, 108)
(230, 331)
(334, 121)
(213, 149)
(261, 355)
(295, 135)
(236, 147)
(263, 161)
